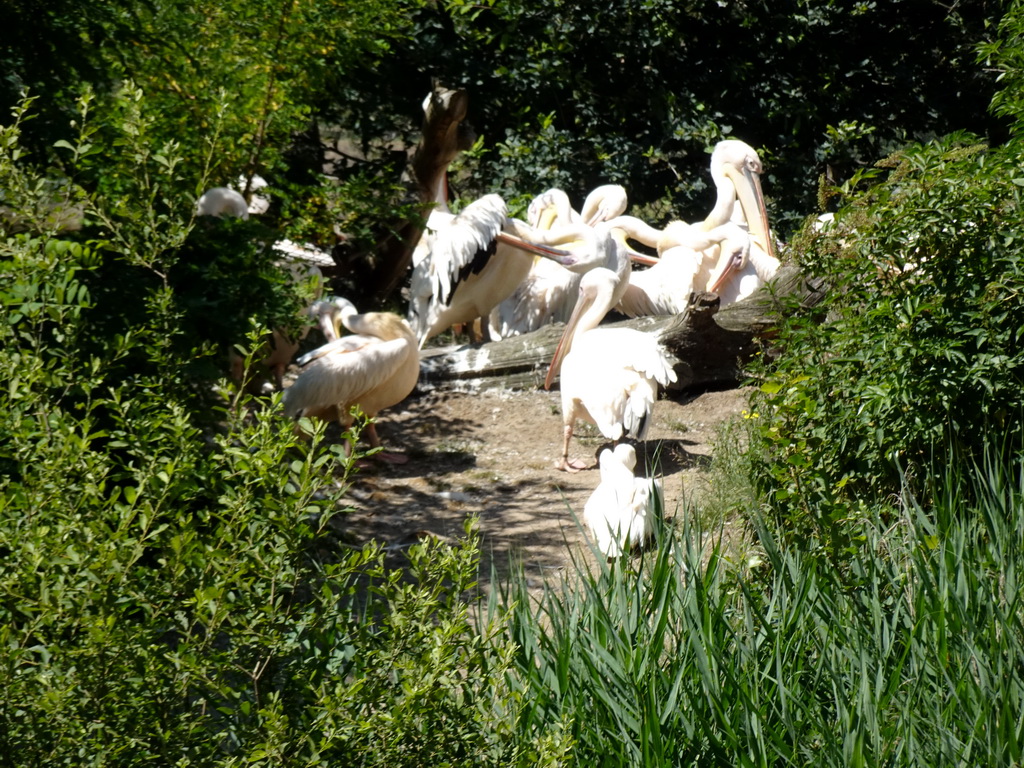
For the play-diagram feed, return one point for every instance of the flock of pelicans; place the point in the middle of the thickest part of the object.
(483, 269)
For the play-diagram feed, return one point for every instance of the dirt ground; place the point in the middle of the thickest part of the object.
(491, 455)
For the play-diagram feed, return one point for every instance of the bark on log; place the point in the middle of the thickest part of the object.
(711, 346)
(444, 136)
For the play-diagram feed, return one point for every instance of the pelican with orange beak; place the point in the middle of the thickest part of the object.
(609, 376)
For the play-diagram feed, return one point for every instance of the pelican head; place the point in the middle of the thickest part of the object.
(736, 170)
(549, 207)
(330, 314)
(626, 455)
(604, 203)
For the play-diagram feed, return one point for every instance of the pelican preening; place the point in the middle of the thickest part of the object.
(375, 367)
(696, 260)
(711, 255)
(620, 512)
(466, 264)
(609, 376)
(548, 294)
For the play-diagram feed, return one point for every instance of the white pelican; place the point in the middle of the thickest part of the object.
(620, 512)
(692, 254)
(226, 201)
(301, 262)
(698, 261)
(374, 368)
(736, 172)
(465, 265)
(221, 202)
(609, 376)
(549, 292)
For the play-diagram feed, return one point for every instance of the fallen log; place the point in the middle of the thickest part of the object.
(711, 347)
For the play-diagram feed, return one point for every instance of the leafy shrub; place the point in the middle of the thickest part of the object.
(920, 348)
(175, 587)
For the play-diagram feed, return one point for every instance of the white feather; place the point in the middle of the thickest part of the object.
(620, 512)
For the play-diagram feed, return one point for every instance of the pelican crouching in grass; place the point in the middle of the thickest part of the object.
(620, 512)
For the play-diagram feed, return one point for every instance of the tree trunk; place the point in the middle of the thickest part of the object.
(444, 136)
(710, 347)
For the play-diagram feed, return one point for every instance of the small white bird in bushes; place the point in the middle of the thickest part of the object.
(620, 512)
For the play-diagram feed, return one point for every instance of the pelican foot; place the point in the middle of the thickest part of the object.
(391, 458)
(571, 466)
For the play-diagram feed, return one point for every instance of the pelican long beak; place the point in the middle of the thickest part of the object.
(563, 257)
(641, 258)
(565, 343)
(748, 191)
(733, 263)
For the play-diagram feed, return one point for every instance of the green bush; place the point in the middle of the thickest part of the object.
(917, 345)
(175, 583)
(182, 595)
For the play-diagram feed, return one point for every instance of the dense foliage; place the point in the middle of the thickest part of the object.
(563, 93)
(174, 585)
(919, 357)
(574, 94)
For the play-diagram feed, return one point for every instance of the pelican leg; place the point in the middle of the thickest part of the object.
(278, 372)
(385, 456)
(563, 463)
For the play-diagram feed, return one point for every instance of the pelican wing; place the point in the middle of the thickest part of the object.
(221, 202)
(452, 248)
(665, 288)
(303, 253)
(547, 295)
(351, 343)
(346, 372)
(614, 373)
(462, 247)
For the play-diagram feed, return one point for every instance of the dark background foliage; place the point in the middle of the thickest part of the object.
(564, 93)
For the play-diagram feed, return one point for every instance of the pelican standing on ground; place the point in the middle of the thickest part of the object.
(609, 376)
(620, 512)
(374, 368)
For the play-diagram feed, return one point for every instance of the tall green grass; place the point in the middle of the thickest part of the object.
(912, 655)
